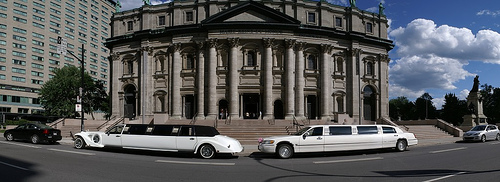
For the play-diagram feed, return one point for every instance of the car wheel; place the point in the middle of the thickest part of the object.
(401, 145)
(207, 151)
(284, 151)
(35, 139)
(498, 137)
(79, 143)
(483, 138)
(9, 137)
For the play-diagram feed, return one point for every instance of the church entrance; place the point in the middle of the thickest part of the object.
(130, 102)
(251, 106)
(369, 104)
(223, 112)
(312, 109)
(189, 106)
(278, 110)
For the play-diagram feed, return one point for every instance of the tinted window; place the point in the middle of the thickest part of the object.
(388, 130)
(137, 129)
(367, 130)
(341, 130)
(116, 130)
(206, 131)
(164, 130)
(318, 131)
(186, 131)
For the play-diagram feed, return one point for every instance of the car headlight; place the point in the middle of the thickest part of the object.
(267, 141)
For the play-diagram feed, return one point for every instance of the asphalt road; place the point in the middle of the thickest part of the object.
(21, 161)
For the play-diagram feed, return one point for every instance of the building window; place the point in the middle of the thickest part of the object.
(311, 62)
(338, 22)
(340, 104)
(129, 67)
(311, 17)
(369, 68)
(189, 62)
(251, 59)
(161, 20)
(369, 27)
(189, 16)
(130, 26)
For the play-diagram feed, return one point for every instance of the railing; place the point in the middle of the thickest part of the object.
(122, 120)
(105, 123)
(296, 124)
(54, 124)
(193, 120)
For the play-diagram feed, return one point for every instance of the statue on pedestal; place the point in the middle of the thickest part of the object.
(475, 107)
(475, 86)
(353, 3)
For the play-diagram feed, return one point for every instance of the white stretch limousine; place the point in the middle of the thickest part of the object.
(203, 140)
(326, 138)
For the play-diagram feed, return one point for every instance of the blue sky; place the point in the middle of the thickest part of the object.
(439, 45)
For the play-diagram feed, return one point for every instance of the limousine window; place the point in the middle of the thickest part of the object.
(302, 131)
(367, 130)
(341, 130)
(205, 131)
(115, 130)
(318, 131)
(137, 129)
(186, 131)
(162, 130)
(388, 130)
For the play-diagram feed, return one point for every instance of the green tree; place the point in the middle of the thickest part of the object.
(453, 109)
(491, 103)
(401, 109)
(424, 107)
(58, 95)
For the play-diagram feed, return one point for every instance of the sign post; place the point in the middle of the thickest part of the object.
(62, 49)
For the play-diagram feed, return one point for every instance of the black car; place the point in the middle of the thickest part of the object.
(33, 132)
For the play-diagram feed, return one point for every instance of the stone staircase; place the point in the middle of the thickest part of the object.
(428, 132)
(250, 134)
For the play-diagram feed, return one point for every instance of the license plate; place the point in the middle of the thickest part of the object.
(55, 133)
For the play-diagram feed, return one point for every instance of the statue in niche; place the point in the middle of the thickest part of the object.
(475, 87)
(146, 2)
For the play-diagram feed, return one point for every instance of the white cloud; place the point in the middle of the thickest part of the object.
(424, 37)
(488, 12)
(396, 91)
(427, 72)
(438, 102)
(463, 94)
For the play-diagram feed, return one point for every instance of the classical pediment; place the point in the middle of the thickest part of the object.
(250, 12)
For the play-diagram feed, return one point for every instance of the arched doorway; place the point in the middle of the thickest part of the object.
(278, 110)
(223, 109)
(251, 109)
(130, 101)
(369, 103)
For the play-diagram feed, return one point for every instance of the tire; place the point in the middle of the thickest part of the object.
(207, 151)
(9, 137)
(401, 145)
(79, 143)
(483, 138)
(498, 137)
(284, 151)
(35, 139)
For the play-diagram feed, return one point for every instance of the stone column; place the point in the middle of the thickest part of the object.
(233, 77)
(325, 82)
(200, 82)
(299, 80)
(290, 80)
(176, 82)
(116, 72)
(268, 78)
(212, 80)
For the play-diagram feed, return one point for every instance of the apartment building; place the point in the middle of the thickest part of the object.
(28, 46)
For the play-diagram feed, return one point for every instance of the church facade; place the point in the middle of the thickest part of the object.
(276, 59)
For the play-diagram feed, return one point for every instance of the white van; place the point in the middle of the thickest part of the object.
(326, 138)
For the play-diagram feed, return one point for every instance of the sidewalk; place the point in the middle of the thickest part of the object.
(249, 149)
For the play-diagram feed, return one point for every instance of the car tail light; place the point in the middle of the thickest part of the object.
(45, 131)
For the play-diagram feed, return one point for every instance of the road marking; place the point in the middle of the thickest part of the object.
(14, 166)
(197, 163)
(73, 152)
(444, 177)
(447, 150)
(12, 143)
(495, 143)
(348, 160)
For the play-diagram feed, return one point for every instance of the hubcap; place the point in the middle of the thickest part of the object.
(9, 136)
(284, 152)
(207, 152)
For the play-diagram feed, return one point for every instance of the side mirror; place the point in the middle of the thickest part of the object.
(304, 136)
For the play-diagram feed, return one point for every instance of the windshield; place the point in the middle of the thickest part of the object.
(302, 131)
(478, 128)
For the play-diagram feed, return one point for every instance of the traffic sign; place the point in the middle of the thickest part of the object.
(61, 45)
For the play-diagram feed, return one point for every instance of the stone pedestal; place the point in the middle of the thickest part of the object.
(475, 105)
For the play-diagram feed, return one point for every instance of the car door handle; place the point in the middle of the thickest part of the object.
(191, 138)
(319, 138)
(396, 135)
(118, 136)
